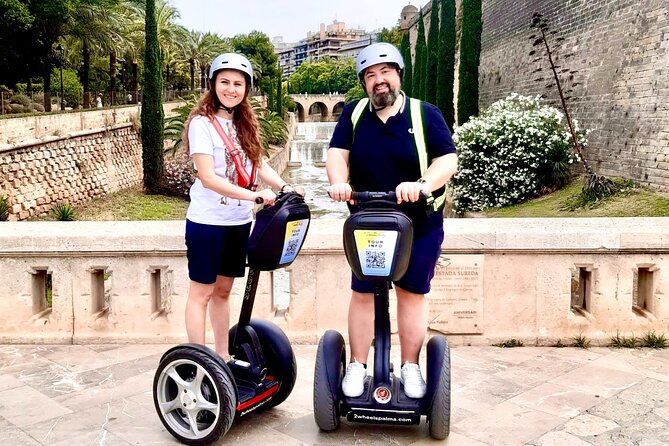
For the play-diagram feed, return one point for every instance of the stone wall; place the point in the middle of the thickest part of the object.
(73, 170)
(540, 281)
(621, 82)
(76, 166)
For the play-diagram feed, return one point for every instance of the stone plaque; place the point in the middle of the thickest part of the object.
(456, 297)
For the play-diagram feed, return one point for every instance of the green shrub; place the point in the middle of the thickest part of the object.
(511, 343)
(18, 108)
(515, 150)
(174, 126)
(652, 340)
(4, 209)
(21, 99)
(178, 176)
(73, 91)
(618, 341)
(581, 341)
(63, 212)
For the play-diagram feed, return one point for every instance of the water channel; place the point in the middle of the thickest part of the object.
(309, 148)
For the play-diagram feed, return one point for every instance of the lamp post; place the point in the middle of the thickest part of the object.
(61, 59)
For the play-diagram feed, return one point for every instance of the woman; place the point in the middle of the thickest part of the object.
(222, 136)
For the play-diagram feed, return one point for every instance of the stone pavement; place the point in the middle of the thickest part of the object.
(101, 395)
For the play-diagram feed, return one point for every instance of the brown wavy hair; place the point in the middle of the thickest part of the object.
(244, 118)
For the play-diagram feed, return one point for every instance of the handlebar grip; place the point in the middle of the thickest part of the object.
(368, 196)
(259, 200)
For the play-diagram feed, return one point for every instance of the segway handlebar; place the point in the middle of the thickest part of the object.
(362, 197)
(259, 200)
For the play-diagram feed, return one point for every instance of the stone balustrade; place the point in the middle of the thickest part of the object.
(540, 281)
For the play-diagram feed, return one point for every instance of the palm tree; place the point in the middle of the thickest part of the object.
(98, 25)
(204, 50)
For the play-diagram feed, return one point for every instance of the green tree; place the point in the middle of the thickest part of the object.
(323, 76)
(279, 93)
(152, 105)
(257, 47)
(470, 51)
(405, 50)
(392, 35)
(72, 89)
(419, 73)
(355, 93)
(432, 58)
(200, 50)
(446, 64)
(17, 54)
(97, 27)
(53, 20)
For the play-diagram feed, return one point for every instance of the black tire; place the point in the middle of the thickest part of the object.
(439, 387)
(329, 371)
(210, 404)
(279, 357)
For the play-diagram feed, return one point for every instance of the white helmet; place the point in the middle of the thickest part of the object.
(232, 61)
(378, 53)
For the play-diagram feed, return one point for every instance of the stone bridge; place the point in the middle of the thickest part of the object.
(318, 107)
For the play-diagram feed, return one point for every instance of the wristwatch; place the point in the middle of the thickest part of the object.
(424, 188)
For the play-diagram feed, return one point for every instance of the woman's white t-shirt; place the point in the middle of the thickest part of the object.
(206, 206)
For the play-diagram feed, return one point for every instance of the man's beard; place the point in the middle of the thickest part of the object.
(381, 100)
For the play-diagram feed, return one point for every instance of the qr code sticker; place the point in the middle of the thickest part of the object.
(291, 248)
(375, 259)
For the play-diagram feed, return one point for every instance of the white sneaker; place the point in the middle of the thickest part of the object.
(410, 377)
(354, 380)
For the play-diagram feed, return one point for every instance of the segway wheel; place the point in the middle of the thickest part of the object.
(194, 396)
(279, 358)
(439, 387)
(328, 374)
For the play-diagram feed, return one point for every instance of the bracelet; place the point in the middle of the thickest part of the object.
(284, 186)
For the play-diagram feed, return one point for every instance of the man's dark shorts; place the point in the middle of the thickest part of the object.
(424, 255)
(216, 251)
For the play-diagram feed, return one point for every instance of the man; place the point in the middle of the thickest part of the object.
(379, 152)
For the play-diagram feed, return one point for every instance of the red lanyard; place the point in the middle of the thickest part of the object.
(243, 178)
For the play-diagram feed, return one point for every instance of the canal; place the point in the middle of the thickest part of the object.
(307, 168)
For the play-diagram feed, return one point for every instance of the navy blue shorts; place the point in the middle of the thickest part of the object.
(424, 255)
(216, 251)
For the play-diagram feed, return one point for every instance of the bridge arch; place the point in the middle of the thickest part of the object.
(318, 107)
(337, 109)
(300, 111)
(316, 110)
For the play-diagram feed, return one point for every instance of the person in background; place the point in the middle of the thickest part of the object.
(384, 156)
(222, 136)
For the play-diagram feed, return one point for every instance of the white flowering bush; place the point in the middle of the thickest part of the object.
(515, 150)
(178, 176)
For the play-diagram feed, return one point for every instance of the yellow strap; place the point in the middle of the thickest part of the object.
(357, 111)
(418, 135)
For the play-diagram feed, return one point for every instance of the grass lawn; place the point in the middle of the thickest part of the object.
(131, 204)
(635, 202)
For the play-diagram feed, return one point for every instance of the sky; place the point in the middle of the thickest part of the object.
(292, 19)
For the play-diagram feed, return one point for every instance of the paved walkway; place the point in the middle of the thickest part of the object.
(101, 395)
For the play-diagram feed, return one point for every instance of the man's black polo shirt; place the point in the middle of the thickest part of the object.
(383, 155)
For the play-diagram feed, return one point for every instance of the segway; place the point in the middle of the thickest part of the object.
(196, 393)
(377, 243)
